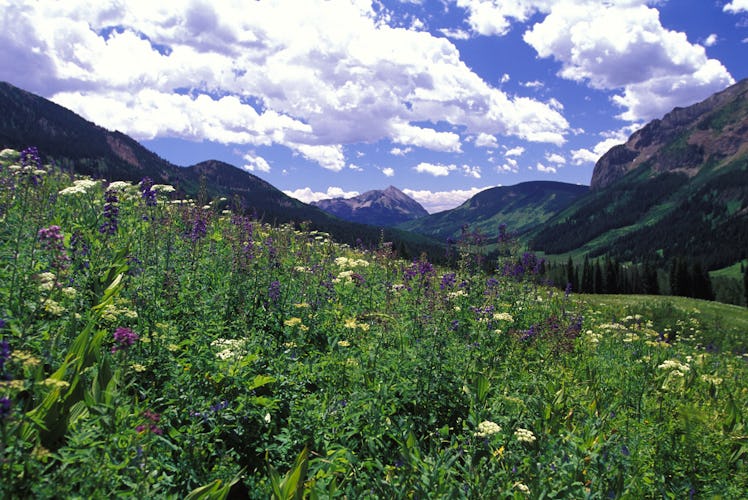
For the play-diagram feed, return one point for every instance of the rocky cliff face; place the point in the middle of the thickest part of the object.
(708, 133)
(377, 207)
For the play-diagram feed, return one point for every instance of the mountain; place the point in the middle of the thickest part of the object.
(77, 145)
(677, 188)
(387, 207)
(521, 207)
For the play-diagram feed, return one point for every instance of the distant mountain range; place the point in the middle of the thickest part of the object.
(386, 207)
(521, 207)
(677, 188)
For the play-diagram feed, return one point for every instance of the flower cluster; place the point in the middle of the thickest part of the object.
(152, 419)
(486, 428)
(524, 435)
(4, 357)
(147, 192)
(123, 338)
(5, 407)
(51, 239)
(80, 186)
(111, 211)
(675, 367)
(230, 348)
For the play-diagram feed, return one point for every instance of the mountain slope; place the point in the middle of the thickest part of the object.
(387, 207)
(521, 207)
(677, 188)
(80, 146)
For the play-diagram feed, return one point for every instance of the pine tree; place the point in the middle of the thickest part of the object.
(745, 286)
(598, 281)
(588, 280)
(571, 275)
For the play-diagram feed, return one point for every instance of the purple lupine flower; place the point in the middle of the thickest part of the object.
(5, 407)
(358, 279)
(425, 268)
(51, 238)
(123, 338)
(274, 290)
(30, 158)
(448, 281)
(5, 351)
(147, 192)
(199, 229)
(111, 211)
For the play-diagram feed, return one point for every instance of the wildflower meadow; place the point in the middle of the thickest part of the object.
(157, 347)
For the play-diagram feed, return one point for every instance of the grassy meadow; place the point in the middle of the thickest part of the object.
(154, 347)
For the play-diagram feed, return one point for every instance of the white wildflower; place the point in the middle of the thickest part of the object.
(524, 435)
(486, 428)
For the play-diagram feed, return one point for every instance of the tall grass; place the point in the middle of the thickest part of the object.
(159, 348)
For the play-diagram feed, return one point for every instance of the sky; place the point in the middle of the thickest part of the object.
(332, 98)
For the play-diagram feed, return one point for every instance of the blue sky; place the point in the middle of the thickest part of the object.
(323, 98)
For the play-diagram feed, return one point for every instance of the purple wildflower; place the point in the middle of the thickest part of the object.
(4, 356)
(274, 290)
(111, 211)
(5, 407)
(51, 239)
(358, 279)
(199, 229)
(448, 281)
(123, 338)
(147, 192)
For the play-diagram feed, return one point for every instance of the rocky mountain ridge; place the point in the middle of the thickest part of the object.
(377, 207)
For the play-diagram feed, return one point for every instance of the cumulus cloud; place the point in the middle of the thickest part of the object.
(555, 158)
(388, 171)
(486, 141)
(400, 151)
(623, 45)
(711, 40)
(311, 76)
(510, 165)
(434, 169)
(471, 171)
(736, 6)
(545, 169)
(437, 201)
(307, 195)
(255, 163)
(515, 151)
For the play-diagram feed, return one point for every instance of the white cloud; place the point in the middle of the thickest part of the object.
(255, 163)
(736, 6)
(307, 195)
(329, 157)
(623, 45)
(486, 141)
(437, 201)
(515, 151)
(509, 166)
(471, 171)
(435, 170)
(493, 17)
(429, 138)
(555, 158)
(534, 84)
(542, 168)
(388, 171)
(311, 76)
(400, 151)
(455, 34)
(711, 40)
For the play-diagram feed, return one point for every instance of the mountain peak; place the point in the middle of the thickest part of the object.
(386, 207)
